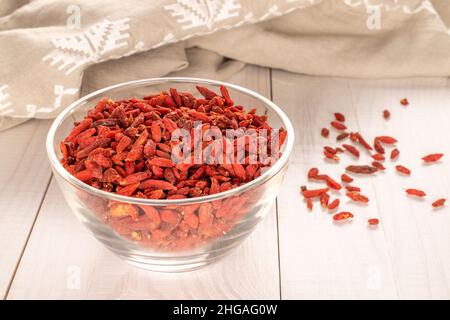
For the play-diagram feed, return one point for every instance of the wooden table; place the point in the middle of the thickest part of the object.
(294, 254)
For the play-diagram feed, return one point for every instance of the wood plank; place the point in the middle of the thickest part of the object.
(60, 248)
(418, 237)
(408, 256)
(24, 177)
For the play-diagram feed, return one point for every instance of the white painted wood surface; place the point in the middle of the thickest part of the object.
(407, 256)
(24, 177)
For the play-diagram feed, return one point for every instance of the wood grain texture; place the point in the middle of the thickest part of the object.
(408, 255)
(60, 249)
(24, 177)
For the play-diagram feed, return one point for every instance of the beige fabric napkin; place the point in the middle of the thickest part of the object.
(51, 52)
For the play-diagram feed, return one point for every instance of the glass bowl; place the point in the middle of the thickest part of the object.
(221, 221)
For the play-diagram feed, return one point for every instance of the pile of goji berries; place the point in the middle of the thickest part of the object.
(125, 147)
(378, 154)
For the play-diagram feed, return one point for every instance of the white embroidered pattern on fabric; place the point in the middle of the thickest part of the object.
(192, 14)
(5, 104)
(405, 6)
(73, 51)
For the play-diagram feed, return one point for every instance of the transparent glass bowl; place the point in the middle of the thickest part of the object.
(235, 212)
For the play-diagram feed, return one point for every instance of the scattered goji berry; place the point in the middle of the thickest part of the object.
(314, 193)
(313, 173)
(342, 136)
(325, 132)
(346, 178)
(378, 165)
(338, 125)
(386, 114)
(356, 196)
(364, 169)
(339, 117)
(404, 102)
(351, 149)
(394, 153)
(415, 192)
(386, 139)
(342, 216)
(373, 221)
(333, 204)
(432, 157)
(403, 169)
(438, 203)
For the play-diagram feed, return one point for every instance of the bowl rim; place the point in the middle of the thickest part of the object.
(272, 171)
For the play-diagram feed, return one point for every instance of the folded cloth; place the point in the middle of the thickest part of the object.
(51, 52)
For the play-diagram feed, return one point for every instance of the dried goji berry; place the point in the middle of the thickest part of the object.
(415, 192)
(314, 193)
(324, 198)
(404, 102)
(364, 169)
(403, 169)
(338, 125)
(325, 132)
(373, 221)
(394, 153)
(333, 204)
(356, 196)
(386, 139)
(378, 157)
(386, 114)
(339, 117)
(342, 136)
(346, 178)
(342, 216)
(378, 165)
(351, 149)
(432, 157)
(312, 173)
(438, 203)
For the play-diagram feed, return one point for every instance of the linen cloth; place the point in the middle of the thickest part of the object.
(51, 52)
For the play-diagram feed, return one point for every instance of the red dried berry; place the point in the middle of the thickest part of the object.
(373, 221)
(325, 132)
(324, 198)
(403, 170)
(377, 146)
(338, 125)
(342, 216)
(386, 114)
(339, 117)
(438, 203)
(353, 188)
(342, 136)
(313, 173)
(351, 149)
(362, 169)
(394, 154)
(416, 192)
(333, 204)
(356, 196)
(432, 157)
(378, 165)
(332, 183)
(378, 157)
(309, 203)
(386, 139)
(404, 102)
(314, 193)
(329, 149)
(330, 155)
(346, 178)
